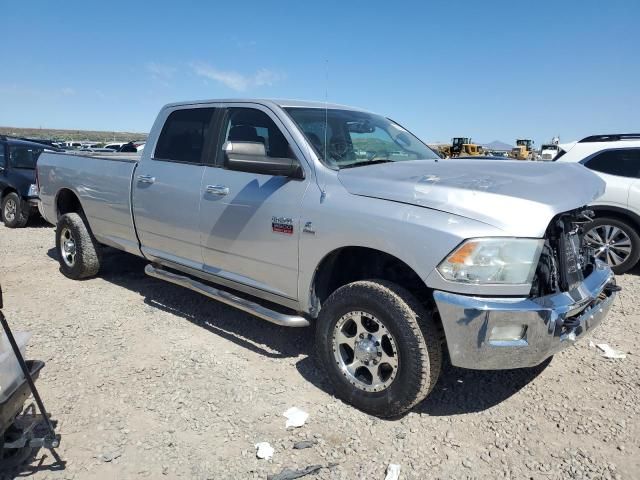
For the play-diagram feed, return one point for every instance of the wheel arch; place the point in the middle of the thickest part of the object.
(67, 201)
(618, 213)
(6, 191)
(348, 264)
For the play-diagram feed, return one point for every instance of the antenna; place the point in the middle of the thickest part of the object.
(326, 108)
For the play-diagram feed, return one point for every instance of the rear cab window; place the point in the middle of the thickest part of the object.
(622, 163)
(185, 135)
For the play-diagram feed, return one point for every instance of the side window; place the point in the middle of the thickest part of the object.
(255, 126)
(24, 157)
(3, 161)
(623, 163)
(184, 134)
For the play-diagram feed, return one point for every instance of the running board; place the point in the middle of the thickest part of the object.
(230, 299)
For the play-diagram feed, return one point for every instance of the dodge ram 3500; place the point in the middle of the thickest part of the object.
(306, 213)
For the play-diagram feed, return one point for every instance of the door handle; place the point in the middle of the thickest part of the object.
(146, 179)
(217, 190)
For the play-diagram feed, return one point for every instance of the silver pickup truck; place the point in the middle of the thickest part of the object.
(305, 213)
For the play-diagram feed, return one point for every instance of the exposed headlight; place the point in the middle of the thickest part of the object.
(33, 190)
(493, 261)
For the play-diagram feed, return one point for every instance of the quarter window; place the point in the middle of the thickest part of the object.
(3, 162)
(623, 163)
(184, 134)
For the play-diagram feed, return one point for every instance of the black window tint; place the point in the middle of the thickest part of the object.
(24, 157)
(183, 136)
(251, 125)
(623, 163)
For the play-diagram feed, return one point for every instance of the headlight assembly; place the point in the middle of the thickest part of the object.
(509, 261)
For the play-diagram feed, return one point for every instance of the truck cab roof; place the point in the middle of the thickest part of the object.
(283, 103)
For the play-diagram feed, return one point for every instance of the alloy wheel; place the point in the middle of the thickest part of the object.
(365, 351)
(611, 244)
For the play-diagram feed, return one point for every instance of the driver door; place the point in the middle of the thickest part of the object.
(250, 222)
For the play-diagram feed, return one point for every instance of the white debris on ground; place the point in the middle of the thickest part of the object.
(609, 352)
(393, 472)
(264, 450)
(295, 417)
(151, 381)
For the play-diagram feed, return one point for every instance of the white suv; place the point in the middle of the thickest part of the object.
(616, 159)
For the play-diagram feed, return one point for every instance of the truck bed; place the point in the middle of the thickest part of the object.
(102, 183)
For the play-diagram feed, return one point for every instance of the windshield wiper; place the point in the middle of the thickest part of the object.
(368, 162)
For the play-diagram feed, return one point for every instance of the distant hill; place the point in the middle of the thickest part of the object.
(497, 145)
(80, 135)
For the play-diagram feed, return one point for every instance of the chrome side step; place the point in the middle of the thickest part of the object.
(225, 297)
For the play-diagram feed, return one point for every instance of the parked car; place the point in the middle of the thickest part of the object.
(393, 254)
(115, 146)
(615, 231)
(18, 190)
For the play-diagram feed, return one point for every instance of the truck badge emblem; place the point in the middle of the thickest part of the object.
(282, 225)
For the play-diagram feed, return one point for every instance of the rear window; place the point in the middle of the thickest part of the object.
(183, 136)
(23, 156)
(623, 163)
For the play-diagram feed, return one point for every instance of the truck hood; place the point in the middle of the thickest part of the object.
(517, 197)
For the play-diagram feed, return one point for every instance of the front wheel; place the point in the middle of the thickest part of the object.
(78, 251)
(12, 211)
(380, 348)
(615, 242)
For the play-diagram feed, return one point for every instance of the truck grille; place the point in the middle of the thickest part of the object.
(565, 260)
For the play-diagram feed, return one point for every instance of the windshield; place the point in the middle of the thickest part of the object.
(348, 138)
(23, 156)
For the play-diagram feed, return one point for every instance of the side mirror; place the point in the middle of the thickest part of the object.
(251, 157)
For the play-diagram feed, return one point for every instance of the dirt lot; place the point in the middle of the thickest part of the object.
(149, 380)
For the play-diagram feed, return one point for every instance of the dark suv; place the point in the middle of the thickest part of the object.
(18, 190)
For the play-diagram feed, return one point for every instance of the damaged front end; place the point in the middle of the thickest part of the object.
(571, 293)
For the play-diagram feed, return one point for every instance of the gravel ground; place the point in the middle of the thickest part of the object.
(149, 380)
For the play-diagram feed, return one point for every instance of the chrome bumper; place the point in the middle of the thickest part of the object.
(549, 323)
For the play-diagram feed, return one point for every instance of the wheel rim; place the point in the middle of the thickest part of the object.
(67, 247)
(10, 210)
(611, 244)
(365, 351)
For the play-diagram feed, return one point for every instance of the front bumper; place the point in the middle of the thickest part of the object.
(548, 323)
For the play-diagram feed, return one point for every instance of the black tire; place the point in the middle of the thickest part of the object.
(13, 213)
(85, 260)
(417, 341)
(630, 231)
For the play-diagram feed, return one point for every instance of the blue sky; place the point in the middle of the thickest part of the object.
(486, 69)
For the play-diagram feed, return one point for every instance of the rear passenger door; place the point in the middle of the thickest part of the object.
(166, 187)
(620, 169)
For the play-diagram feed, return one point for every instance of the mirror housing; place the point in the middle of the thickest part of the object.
(251, 157)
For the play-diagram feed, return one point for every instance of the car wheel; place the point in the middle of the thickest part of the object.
(12, 213)
(78, 251)
(615, 242)
(379, 347)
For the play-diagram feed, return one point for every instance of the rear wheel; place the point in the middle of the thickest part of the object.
(380, 348)
(78, 251)
(12, 211)
(615, 242)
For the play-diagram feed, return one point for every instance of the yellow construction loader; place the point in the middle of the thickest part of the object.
(462, 147)
(523, 150)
